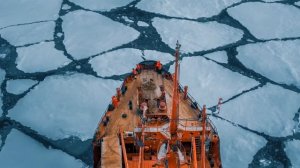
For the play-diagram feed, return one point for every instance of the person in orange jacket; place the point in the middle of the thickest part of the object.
(115, 101)
(158, 66)
(134, 73)
(138, 68)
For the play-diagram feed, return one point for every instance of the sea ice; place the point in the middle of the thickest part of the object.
(2, 77)
(127, 19)
(85, 34)
(40, 58)
(65, 106)
(219, 56)
(237, 146)
(27, 34)
(269, 109)
(208, 81)
(156, 55)
(66, 7)
(292, 150)
(189, 9)
(297, 3)
(269, 21)
(195, 36)
(272, 0)
(117, 62)
(59, 34)
(19, 86)
(142, 24)
(276, 60)
(22, 151)
(101, 5)
(14, 12)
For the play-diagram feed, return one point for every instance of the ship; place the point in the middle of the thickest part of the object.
(153, 122)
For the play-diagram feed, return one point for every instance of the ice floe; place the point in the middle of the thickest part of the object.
(142, 24)
(14, 12)
(156, 55)
(208, 81)
(237, 146)
(292, 150)
(269, 109)
(2, 76)
(127, 19)
(101, 5)
(195, 36)
(22, 151)
(19, 86)
(59, 34)
(189, 9)
(64, 106)
(27, 34)
(297, 3)
(116, 62)
(219, 56)
(40, 58)
(276, 60)
(269, 21)
(66, 7)
(86, 35)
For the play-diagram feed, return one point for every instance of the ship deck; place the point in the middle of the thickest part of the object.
(111, 148)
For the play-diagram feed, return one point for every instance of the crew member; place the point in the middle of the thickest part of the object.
(158, 66)
(115, 101)
(138, 68)
(134, 73)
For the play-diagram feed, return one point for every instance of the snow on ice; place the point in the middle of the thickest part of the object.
(292, 149)
(19, 86)
(14, 12)
(164, 58)
(237, 146)
(64, 106)
(40, 58)
(276, 60)
(271, 105)
(208, 81)
(101, 5)
(22, 151)
(85, 34)
(269, 21)
(117, 62)
(190, 9)
(220, 56)
(27, 34)
(194, 35)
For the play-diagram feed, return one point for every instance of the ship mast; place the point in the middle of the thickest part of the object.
(175, 100)
(173, 159)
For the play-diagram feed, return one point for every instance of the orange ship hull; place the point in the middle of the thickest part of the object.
(142, 128)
